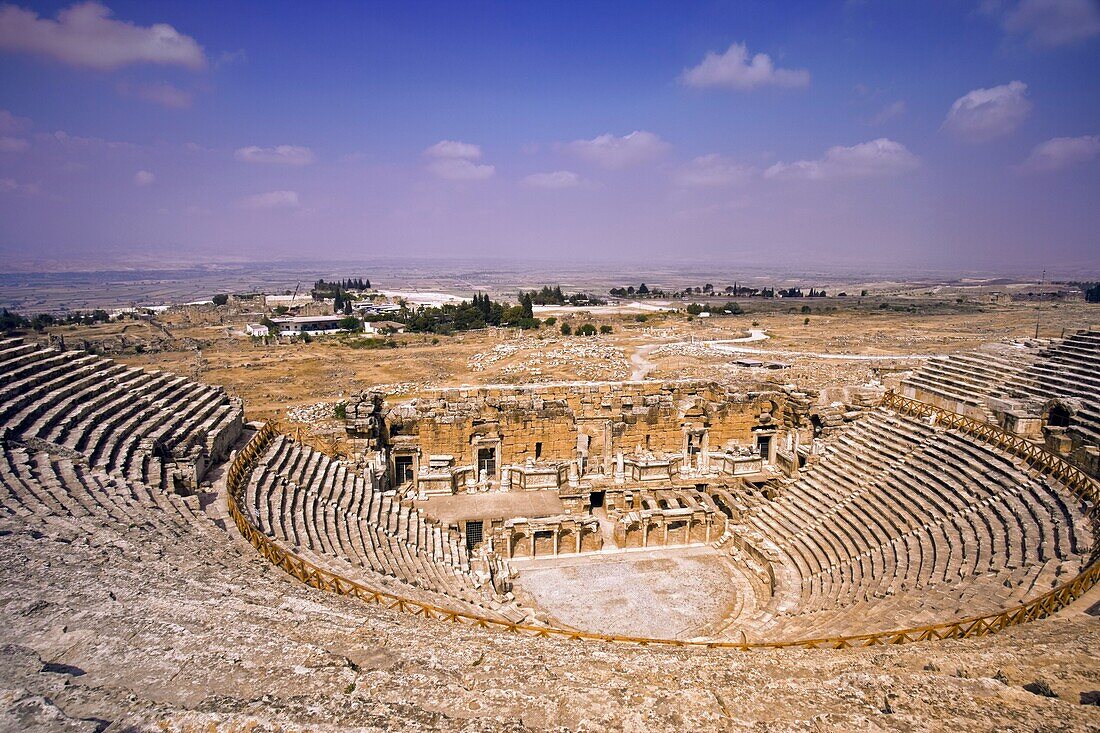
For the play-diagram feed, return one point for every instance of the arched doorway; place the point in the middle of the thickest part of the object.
(1058, 416)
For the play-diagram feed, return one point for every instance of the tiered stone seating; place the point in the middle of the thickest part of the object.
(71, 498)
(963, 382)
(332, 517)
(900, 523)
(1066, 369)
(118, 417)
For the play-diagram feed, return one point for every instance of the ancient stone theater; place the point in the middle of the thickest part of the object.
(508, 520)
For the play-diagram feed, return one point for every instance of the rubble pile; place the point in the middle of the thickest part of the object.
(480, 361)
(311, 414)
(584, 359)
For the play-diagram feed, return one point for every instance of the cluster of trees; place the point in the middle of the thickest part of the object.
(554, 296)
(341, 302)
(470, 315)
(338, 291)
(12, 321)
(730, 308)
(642, 291)
(797, 293)
(323, 289)
(586, 329)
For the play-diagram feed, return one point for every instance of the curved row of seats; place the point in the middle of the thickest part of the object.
(900, 523)
(964, 381)
(1065, 369)
(334, 518)
(116, 416)
(63, 495)
(1029, 372)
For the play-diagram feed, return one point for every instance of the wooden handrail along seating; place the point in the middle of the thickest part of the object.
(1036, 456)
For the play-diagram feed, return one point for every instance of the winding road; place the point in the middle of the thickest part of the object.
(641, 364)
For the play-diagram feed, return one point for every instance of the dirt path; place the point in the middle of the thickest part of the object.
(641, 365)
(723, 347)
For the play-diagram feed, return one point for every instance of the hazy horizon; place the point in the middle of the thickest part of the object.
(886, 138)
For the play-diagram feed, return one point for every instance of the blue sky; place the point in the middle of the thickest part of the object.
(791, 133)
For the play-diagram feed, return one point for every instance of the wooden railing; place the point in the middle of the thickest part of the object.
(1085, 488)
(1035, 455)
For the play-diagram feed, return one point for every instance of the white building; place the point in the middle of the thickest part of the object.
(308, 324)
(257, 329)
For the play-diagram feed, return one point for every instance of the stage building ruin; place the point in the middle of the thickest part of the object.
(630, 464)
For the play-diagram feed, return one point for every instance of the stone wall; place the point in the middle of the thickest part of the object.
(553, 422)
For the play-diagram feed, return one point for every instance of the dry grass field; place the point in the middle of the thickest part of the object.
(273, 379)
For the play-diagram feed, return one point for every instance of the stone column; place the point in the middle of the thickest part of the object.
(557, 540)
(532, 543)
(645, 533)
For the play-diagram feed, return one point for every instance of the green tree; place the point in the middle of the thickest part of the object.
(606, 329)
(221, 299)
(566, 329)
(350, 323)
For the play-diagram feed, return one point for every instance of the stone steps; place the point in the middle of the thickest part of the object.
(312, 503)
(897, 510)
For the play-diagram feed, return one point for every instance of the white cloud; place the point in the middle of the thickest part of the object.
(459, 169)
(144, 178)
(712, 170)
(986, 114)
(84, 34)
(874, 159)
(13, 145)
(164, 94)
(453, 160)
(890, 112)
(553, 179)
(735, 70)
(1050, 23)
(270, 200)
(1061, 152)
(613, 152)
(278, 155)
(10, 123)
(454, 149)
